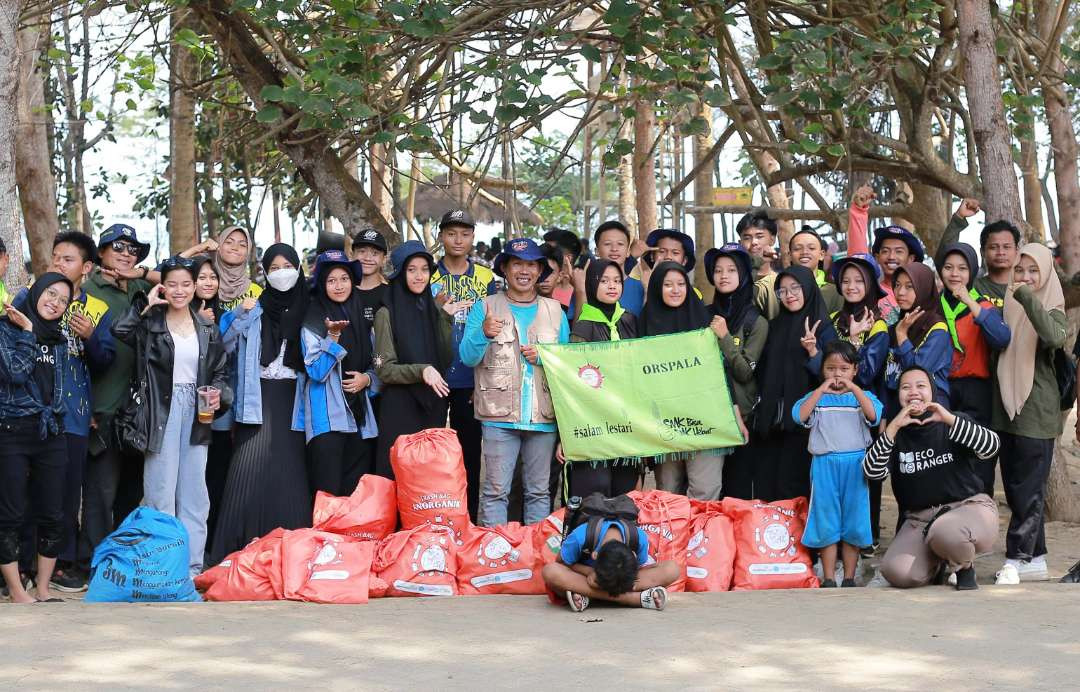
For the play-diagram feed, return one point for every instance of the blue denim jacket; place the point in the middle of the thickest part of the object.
(19, 395)
(320, 404)
(242, 335)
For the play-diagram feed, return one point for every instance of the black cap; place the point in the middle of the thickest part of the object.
(457, 217)
(371, 237)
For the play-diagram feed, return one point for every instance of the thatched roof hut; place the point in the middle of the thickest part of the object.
(435, 198)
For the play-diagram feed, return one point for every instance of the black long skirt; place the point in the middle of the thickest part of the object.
(401, 414)
(267, 485)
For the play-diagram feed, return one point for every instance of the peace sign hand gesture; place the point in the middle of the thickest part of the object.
(809, 339)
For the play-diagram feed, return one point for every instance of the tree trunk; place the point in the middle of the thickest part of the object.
(381, 188)
(992, 142)
(316, 161)
(183, 232)
(10, 224)
(33, 167)
(929, 214)
(624, 175)
(644, 164)
(1029, 169)
(703, 187)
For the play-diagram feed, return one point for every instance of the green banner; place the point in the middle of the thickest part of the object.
(640, 397)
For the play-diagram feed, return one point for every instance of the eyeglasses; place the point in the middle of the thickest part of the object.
(124, 248)
(795, 290)
(56, 296)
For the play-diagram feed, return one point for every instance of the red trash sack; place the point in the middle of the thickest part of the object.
(769, 553)
(210, 577)
(499, 560)
(255, 572)
(431, 485)
(547, 537)
(369, 514)
(710, 552)
(665, 518)
(422, 561)
(323, 567)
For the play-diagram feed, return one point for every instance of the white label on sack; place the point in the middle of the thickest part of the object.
(774, 568)
(331, 574)
(554, 543)
(501, 578)
(697, 572)
(423, 589)
(225, 563)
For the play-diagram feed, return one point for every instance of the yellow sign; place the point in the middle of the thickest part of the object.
(723, 196)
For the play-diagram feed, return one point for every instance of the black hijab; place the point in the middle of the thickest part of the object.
(283, 312)
(658, 318)
(355, 338)
(737, 308)
(48, 332)
(213, 303)
(869, 301)
(593, 274)
(415, 321)
(782, 375)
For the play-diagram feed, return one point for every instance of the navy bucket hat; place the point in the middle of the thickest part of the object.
(523, 249)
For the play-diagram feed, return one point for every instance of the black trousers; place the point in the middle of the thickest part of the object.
(973, 396)
(782, 465)
(73, 479)
(336, 460)
(1025, 467)
(218, 458)
(34, 470)
(738, 474)
(112, 489)
(464, 423)
(607, 480)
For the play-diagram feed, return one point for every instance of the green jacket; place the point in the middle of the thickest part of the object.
(1040, 417)
(387, 368)
(109, 389)
(742, 352)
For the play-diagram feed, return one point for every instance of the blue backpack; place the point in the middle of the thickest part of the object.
(144, 560)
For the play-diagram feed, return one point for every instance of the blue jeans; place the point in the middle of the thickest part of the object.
(502, 446)
(174, 479)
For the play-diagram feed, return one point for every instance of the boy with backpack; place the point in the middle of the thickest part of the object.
(605, 555)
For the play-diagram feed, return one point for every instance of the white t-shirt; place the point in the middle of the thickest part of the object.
(186, 358)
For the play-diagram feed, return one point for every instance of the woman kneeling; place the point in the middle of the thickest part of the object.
(932, 455)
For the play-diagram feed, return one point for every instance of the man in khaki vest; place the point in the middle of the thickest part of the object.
(511, 396)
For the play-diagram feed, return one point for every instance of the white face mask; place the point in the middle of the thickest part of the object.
(283, 279)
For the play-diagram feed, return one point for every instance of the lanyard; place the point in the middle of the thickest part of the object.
(952, 313)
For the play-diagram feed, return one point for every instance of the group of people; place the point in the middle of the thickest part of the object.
(192, 389)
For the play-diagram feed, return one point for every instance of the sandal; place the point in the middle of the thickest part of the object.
(576, 601)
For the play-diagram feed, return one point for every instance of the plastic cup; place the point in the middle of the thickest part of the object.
(206, 412)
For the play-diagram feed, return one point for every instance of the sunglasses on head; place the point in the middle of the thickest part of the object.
(177, 263)
(124, 248)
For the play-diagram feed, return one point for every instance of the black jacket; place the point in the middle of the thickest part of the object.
(157, 344)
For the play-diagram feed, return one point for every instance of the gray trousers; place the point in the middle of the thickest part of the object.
(502, 448)
(700, 478)
(967, 530)
(174, 479)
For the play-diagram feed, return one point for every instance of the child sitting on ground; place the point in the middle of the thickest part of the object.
(839, 414)
(613, 572)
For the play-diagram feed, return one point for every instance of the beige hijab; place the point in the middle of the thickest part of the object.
(233, 281)
(1016, 366)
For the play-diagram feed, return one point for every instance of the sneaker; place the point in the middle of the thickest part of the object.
(848, 583)
(869, 551)
(951, 581)
(1033, 569)
(576, 601)
(68, 581)
(878, 581)
(654, 598)
(965, 579)
(1008, 574)
(828, 584)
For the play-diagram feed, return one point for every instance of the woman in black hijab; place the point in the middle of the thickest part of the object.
(671, 306)
(790, 367)
(267, 483)
(414, 347)
(741, 332)
(33, 452)
(602, 319)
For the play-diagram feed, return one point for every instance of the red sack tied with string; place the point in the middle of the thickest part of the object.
(710, 552)
(430, 474)
(547, 537)
(254, 573)
(665, 518)
(769, 553)
(418, 562)
(368, 514)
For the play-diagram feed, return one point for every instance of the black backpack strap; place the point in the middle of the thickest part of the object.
(630, 532)
(592, 535)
